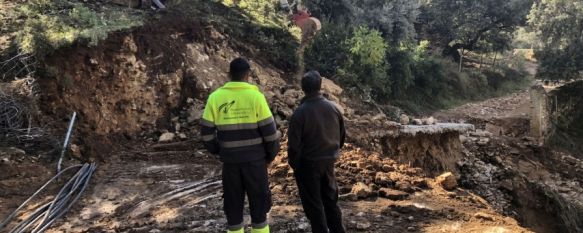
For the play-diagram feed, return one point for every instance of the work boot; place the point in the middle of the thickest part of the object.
(240, 230)
(265, 229)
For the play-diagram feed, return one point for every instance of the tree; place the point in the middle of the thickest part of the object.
(366, 65)
(462, 24)
(394, 18)
(560, 25)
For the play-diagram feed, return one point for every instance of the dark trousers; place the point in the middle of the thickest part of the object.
(246, 178)
(319, 193)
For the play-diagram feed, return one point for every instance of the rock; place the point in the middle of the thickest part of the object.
(388, 168)
(484, 216)
(395, 214)
(166, 137)
(304, 226)
(12, 151)
(277, 189)
(417, 122)
(361, 190)
(404, 119)
(328, 86)
(280, 170)
(411, 228)
(194, 114)
(411, 218)
(392, 194)
(483, 141)
(362, 226)
(404, 186)
(447, 180)
(421, 183)
(4, 161)
(177, 127)
(190, 100)
(391, 124)
(75, 151)
(285, 112)
(428, 121)
(379, 117)
(182, 136)
(382, 179)
(290, 102)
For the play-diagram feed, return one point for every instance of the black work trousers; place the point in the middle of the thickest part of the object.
(319, 193)
(246, 178)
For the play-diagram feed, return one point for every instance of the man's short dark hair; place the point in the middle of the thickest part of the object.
(311, 82)
(239, 68)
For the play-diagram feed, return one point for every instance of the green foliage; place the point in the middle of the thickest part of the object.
(49, 25)
(366, 64)
(394, 18)
(526, 39)
(403, 75)
(263, 12)
(560, 24)
(463, 24)
(368, 46)
(325, 53)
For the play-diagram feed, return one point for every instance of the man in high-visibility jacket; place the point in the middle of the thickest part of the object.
(238, 126)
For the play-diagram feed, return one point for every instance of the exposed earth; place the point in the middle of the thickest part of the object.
(140, 95)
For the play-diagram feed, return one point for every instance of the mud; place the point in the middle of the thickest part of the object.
(137, 85)
(518, 176)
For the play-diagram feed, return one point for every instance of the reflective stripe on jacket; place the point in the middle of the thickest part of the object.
(238, 125)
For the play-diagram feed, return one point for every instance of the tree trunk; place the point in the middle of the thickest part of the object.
(452, 51)
(461, 60)
(481, 61)
(494, 63)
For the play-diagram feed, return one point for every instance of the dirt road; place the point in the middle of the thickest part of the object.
(175, 188)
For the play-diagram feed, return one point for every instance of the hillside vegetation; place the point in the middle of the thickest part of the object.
(412, 54)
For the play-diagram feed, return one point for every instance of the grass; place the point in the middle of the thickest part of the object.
(42, 26)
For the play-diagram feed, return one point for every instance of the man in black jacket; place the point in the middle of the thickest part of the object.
(315, 136)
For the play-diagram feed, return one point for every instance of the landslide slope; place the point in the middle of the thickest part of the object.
(154, 79)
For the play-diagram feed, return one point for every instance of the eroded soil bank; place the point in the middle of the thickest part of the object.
(138, 85)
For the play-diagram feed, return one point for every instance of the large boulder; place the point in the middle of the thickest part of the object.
(361, 190)
(447, 180)
(392, 194)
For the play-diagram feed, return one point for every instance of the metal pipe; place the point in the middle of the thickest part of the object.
(2, 224)
(44, 216)
(159, 4)
(66, 143)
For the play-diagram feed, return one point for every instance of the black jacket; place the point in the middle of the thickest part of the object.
(316, 131)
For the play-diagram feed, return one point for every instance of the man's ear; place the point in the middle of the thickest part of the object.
(248, 77)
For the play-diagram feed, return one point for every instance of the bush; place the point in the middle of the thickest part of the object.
(366, 65)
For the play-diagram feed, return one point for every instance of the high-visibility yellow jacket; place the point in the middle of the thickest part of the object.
(238, 125)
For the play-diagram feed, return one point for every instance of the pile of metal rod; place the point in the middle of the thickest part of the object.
(46, 214)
